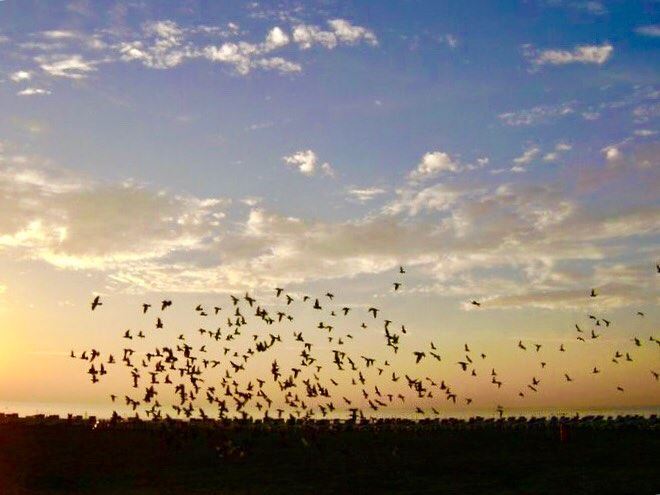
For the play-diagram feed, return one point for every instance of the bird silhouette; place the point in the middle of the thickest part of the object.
(96, 302)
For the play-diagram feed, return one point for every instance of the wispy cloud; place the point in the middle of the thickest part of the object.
(537, 115)
(581, 54)
(364, 195)
(652, 30)
(33, 92)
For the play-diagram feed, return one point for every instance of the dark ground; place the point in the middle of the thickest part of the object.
(461, 458)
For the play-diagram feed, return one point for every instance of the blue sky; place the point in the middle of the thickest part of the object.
(506, 151)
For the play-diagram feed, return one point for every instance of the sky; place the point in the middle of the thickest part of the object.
(505, 152)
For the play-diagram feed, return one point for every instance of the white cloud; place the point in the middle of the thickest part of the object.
(592, 7)
(165, 44)
(584, 54)
(536, 115)
(440, 197)
(432, 164)
(652, 30)
(528, 155)
(68, 66)
(275, 39)
(307, 36)
(307, 163)
(33, 92)
(612, 153)
(351, 34)
(451, 40)
(279, 64)
(366, 194)
(557, 151)
(59, 34)
(645, 132)
(145, 239)
(21, 75)
(341, 32)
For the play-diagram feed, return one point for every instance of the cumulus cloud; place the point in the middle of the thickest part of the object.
(583, 54)
(21, 75)
(308, 163)
(165, 44)
(432, 164)
(341, 32)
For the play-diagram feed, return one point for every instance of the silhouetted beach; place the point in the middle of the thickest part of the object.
(592, 454)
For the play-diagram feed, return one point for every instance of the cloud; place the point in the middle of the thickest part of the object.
(652, 30)
(536, 115)
(583, 54)
(33, 92)
(554, 155)
(351, 34)
(307, 163)
(166, 44)
(510, 242)
(525, 159)
(341, 32)
(80, 224)
(365, 195)
(275, 39)
(440, 197)
(59, 34)
(612, 153)
(67, 66)
(278, 64)
(21, 75)
(432, 164)
(644, 132)
(592, 7)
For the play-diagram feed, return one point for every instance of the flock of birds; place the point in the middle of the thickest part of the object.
(209, 380)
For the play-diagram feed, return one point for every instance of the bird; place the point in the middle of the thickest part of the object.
(96, 302)
(374, 311)
(593, 293)
(396, 285)
(475, 303)
(401, 270)
(145, 307)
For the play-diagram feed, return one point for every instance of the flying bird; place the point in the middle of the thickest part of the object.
(96, 302)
